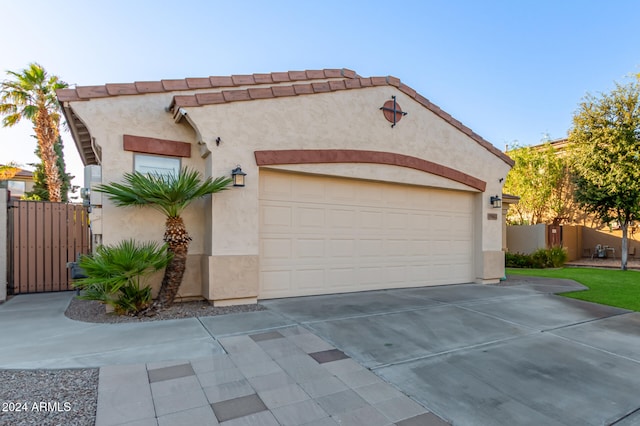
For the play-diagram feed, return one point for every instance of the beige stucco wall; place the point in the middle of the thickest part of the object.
(225, 226)
(526, 238)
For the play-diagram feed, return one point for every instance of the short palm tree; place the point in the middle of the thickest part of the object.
(170, 194)
(31, 94)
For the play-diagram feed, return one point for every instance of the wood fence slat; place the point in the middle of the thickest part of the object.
(44, 236)
(56, 237)
(31, 251)
(38, 263)
(47, 235)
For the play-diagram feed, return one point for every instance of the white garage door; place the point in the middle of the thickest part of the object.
(331, 235)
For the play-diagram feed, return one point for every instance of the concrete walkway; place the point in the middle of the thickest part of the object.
(512, 354)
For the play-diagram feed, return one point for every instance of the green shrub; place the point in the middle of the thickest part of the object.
(543, 258)
(116, 275)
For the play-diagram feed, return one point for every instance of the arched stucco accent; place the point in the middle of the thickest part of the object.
(315, 156)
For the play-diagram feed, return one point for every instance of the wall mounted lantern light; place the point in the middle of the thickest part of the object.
(238, 176)
(496, 202)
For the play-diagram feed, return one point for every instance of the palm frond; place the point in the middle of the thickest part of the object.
(170, 194)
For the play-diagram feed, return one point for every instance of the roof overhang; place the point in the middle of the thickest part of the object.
(89, 153)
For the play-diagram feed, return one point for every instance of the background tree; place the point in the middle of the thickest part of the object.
(7, 171)
(40, 191)
(169, 194)
(31, 95)
(539, 178)
(606, 144)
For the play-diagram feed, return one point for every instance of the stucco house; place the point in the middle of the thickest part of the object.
(352, 183)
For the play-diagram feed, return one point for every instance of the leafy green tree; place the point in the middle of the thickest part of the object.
(170, 195)
(606, 143)
(31, 95)
(539, 178)
(40, 191)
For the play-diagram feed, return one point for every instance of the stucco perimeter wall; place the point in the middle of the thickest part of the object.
(526, 239)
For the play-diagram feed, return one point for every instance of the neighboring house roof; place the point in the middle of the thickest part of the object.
(272, 85)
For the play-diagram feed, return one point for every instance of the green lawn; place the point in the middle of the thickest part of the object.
(608, 287)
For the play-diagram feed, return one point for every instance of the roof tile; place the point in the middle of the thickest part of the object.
(365, 82)
(279, 77)
(198, 83)
(352, 83)
(121, 89)
(209, 98)
(332, 73)
(149, 86)
(303, 89)
(170, 85)
(321, 87)
(65, 95)
(418, 97)
(283, 91)
(314, 74)
(337, 84)
(92, 91)
(242, 80)
(263, 78)
(407, 90)
(184, 101)
(379, 81)
(394, 81)
(260, 93)
(221, 81)
(347, 73)
(235, 95)
(298, 75)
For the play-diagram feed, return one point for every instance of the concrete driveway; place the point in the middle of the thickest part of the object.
(511, 354)
(490, 355)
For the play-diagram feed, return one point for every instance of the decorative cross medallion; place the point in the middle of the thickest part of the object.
(392, 111)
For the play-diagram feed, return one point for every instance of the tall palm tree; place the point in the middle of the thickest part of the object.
(31, 94)
(169, 194)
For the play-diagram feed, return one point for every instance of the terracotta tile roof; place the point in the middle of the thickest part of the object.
(81, 93)
(302, 83)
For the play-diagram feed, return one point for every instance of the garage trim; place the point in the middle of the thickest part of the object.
(315, 156)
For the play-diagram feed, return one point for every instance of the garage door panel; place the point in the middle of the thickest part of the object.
(370, 219)
(274, 248)
(341, 219)
(274, 216)
(310, 248)
(309, 280)
(278, 282)
(396, 248)
(341, 248)
(325, 235)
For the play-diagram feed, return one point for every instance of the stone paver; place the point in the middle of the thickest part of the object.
(254, 384)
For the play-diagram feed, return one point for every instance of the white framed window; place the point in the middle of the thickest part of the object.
(159, 164)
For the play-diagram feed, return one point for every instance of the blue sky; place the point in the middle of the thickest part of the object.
(511, 70)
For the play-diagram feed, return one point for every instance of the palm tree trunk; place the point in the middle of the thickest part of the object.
(47, 135)
(177, 238)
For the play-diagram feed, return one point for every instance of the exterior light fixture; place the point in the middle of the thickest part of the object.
(496, 202)
(238, 176)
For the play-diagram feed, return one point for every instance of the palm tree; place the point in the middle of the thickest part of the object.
(170, 194)
(31, 94)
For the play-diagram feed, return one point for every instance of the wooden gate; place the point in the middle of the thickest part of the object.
(43, 237)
